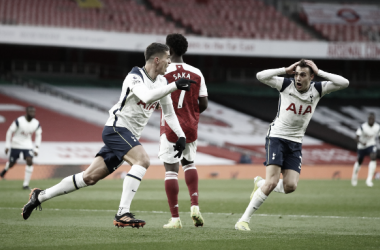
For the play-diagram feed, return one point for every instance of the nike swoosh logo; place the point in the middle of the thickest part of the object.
(133, 191)
(185, 85)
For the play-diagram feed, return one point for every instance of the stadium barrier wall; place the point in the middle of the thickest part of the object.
(91, 39)
(241, 171)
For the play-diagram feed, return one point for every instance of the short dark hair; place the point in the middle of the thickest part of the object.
(29, 107)
(178, 43)
(303, 64)
(155, 48)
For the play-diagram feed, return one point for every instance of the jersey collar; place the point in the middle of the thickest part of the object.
(146, 73)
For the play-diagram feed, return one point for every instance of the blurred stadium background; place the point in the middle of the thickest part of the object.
(69, 58)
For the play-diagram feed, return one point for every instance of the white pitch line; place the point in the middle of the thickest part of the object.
(164, 212)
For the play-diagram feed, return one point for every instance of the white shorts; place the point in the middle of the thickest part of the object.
(167, 152)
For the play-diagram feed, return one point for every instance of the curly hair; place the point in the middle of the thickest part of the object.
(178, 43)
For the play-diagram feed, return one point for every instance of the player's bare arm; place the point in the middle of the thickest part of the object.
(203, 103)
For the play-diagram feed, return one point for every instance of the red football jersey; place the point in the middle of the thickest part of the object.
(185, 103)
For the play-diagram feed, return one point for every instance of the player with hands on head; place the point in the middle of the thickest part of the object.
(188, 106)
(22, 130)
(366, 138)
(143, 89)
(299, 97)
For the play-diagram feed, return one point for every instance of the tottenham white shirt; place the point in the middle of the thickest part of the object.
(22, 131)
(368, 134)
(138, 99)
(295, 109)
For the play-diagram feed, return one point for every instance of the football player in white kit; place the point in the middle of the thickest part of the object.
(22, 130)
(142, 90)
(299, 97)
(366, 138)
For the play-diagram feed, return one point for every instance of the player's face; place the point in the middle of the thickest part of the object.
(31, 113)
(371, 120)
(302, 78)
(163, 63)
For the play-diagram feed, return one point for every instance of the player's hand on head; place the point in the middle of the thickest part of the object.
(180, 146)
(312, 65)
(291, 69)
(184, 84)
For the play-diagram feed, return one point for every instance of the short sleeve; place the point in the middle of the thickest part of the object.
(359, 131)
(133, 80)
(285, 83)
(203, 88)
(39, 128)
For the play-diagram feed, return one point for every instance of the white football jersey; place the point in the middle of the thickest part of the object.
(295, 110)
(368, 134)
(22, 133)
(130, 112)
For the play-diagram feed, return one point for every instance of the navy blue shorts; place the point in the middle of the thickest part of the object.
(366, 151)
(15, 154)
(284, 153)
(118, 141)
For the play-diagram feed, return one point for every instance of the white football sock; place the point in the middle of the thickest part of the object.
(131, 184)
(280, 187)
(171, 175)
(371, 170)
(28, 175)
(7, 166)
(355, 171)
(67, 185)
(260, 183)
(188, 167)
(258, 198)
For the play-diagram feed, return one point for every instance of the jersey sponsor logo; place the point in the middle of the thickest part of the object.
(147, 106)
(181, 75)
(26, 133)
(292, 107)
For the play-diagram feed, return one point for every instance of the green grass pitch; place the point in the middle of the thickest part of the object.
(327, 214)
